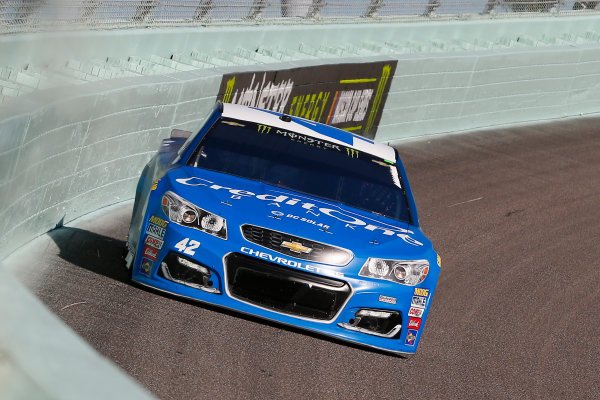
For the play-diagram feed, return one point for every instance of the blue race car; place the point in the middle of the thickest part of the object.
(289, 220)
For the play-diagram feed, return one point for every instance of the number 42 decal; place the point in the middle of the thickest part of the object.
(188, 246)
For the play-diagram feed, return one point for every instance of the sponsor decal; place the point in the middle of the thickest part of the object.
(154, 242)
(290, 263)
(439, 261)
(146, 266)
(156, 231)
(352, 105)
(411, 337)
(263, 128)
(254, 90)
(154, 185)
(414, 323)
(307, 140)
(351, 221)
(310, 106)
(158, 221)
(352, 153)
(303, 219)
(419, 301)
(415, 312)
(421, 292)
(387, 299)
(151, 253)
(349, 96)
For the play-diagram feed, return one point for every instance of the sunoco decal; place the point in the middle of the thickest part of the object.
(411, 337)
(310, 207)
(348, 96)
(146, 266)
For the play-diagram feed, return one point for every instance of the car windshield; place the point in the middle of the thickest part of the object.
(305, 164)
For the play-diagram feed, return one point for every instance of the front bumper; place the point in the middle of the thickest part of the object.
(260, 282)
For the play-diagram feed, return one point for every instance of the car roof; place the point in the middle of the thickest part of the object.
(309, 128)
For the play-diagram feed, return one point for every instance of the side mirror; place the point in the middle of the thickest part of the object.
(180, 134)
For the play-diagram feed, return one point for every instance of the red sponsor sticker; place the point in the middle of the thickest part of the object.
(414, 323)
(150, 252)
(415, 312)
(154, 242)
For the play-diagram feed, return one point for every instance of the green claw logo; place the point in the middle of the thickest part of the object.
(352, 153)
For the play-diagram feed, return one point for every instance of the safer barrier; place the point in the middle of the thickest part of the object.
(67, 151)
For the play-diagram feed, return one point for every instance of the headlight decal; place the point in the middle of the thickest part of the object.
(182, 212)
(404, 272)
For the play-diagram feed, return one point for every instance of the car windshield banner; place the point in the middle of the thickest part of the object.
(347, 96)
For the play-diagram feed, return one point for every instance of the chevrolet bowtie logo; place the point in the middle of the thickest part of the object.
(296, 247)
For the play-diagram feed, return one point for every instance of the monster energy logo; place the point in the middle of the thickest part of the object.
(264, 128)
(351, 152)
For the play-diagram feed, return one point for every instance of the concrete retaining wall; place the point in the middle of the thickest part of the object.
(67, 152)
(433, 94)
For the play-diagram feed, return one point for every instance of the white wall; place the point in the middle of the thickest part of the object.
(432, 94)
(67, 152)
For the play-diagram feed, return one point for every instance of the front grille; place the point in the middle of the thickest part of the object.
(283, 289)
(319, 252)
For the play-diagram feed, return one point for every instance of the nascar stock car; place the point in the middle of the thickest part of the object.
(289, 220)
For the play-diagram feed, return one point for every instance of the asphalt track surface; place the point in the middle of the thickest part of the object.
(515, 214)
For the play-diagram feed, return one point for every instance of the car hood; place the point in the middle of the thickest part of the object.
(241, 201)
